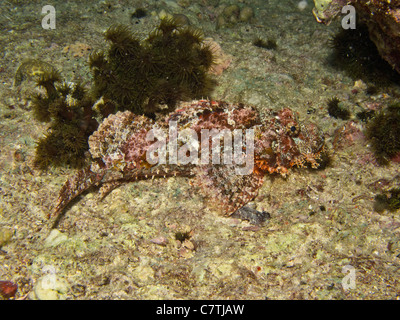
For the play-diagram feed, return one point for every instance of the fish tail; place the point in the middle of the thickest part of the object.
(73, 187)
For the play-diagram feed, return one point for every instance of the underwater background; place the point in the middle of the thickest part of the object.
(159, 239)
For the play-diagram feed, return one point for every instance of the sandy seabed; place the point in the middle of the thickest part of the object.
(124, 247)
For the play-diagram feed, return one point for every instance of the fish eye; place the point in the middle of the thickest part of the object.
(293, 129)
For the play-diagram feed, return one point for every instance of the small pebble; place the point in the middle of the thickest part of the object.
(221, 22)
(251, 228)
(181, 19)
(50, 287)
(188, 244)
(8, 289)
(162, 241)
(246, 14)
(5, 236)
(232, 10)
(19, 155)
(302, 5)
(164, 14)
(55, 238)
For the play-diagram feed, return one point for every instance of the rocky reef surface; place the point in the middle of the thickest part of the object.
(381, 17)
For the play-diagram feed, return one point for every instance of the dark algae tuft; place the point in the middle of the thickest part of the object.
(182, 236)
(152, 75)
(389, 200)
(365, 115)
(269, 44)
(68, 108)
(356, 54)
(383, 131)
(143, 76)
(336, 111)
(139, 13)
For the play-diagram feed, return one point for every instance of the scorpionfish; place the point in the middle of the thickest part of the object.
(121, 146)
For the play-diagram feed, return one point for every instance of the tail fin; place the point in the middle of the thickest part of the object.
(74, 186)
